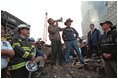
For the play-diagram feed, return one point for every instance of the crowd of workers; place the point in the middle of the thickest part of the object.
(15, 54)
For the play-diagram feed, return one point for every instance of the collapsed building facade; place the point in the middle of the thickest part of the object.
(10, 22)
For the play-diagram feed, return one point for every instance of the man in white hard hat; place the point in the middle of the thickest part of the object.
(23, 53)
(24, 29)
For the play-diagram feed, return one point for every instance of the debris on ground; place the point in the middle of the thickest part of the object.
(93, 69)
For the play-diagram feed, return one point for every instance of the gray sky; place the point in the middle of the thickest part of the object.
(33, 13)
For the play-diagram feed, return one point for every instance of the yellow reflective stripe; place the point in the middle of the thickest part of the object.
(27, 48)
(25, 55)
(33, 46)
(15, 44)
(16, 66)
(33, 53)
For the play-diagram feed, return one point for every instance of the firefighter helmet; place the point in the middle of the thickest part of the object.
(31, 66)
(23, 26)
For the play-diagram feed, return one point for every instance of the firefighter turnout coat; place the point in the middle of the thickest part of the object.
(23, 53)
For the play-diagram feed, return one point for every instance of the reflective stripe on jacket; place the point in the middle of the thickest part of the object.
(16, 66)
(23, 53)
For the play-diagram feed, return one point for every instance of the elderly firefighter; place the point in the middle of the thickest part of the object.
(23, 53)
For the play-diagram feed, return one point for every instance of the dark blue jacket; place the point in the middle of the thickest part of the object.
(39, 52)
(94, 38)
(69, 34)
(108, 44)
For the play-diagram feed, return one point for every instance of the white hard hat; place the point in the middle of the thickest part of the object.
(31, 66)
(23, 26)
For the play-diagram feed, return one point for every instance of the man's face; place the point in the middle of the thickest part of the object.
(51, 21)
(68, 24)
(25, 32)
(105, 26)
(91, 26)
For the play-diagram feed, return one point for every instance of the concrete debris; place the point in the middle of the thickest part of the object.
(92, 69)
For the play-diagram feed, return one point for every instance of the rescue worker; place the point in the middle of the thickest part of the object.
(23, 53)
(7, 52)
(108, 47)
(93, 36)
(40, 56)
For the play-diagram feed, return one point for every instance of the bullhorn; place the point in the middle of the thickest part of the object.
(59, 20)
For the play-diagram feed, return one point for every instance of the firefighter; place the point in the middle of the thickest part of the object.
(23, 53)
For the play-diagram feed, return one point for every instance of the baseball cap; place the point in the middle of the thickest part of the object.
(107, 22)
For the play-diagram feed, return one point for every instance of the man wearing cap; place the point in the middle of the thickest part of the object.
(40, 56)
(70, 36)
(94, 36)
(23, 53)
(108, 48)
(55, 38)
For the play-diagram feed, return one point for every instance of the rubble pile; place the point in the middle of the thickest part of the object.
(93, 69)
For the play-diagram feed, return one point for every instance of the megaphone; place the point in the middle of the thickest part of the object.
(59, 20)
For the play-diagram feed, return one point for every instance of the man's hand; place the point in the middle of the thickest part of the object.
(7, 52)
(107, 56)
(45, 57)
(12, 53)
(33, 58)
